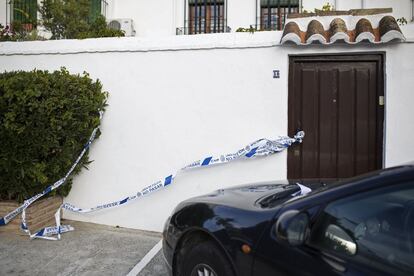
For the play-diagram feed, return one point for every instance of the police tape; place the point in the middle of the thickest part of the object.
(261, 147)
(22, 209)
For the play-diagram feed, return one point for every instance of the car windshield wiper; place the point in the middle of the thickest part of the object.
(270, 200)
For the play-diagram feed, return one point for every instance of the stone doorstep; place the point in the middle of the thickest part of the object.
(39, 215)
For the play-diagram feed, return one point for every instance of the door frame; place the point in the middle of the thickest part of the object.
(377, 56)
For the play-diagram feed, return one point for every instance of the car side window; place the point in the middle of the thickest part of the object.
(375, 228)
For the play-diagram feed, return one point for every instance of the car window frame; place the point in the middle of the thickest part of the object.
(317, 221)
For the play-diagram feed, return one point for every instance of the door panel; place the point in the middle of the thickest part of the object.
(334, 99)
(346, 133)
(327, 128)
(310, 120)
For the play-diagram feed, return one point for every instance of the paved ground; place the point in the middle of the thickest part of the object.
(90, 250)
(155, 267)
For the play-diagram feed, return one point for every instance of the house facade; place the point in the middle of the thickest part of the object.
(345, 78)
(180, 17)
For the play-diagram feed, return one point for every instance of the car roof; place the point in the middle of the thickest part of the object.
(366, 181)
(391, 171)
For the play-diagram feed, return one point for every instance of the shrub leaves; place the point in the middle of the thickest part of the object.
(45, 120)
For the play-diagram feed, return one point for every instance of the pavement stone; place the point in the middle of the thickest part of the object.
(157, 266)
(91, 249)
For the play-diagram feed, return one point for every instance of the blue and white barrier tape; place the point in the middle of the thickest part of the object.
(6, 219)
(262, 147)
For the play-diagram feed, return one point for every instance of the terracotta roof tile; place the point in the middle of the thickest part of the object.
(354, 26)
(338, 30)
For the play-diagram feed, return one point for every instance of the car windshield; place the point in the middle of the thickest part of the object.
(318, 186)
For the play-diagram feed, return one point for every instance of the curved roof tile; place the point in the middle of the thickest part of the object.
(291, 33)
(339, 28)
(389, 29)
(315, 32)
(338, 31)
(364, 31)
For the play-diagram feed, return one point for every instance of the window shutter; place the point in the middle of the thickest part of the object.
(24, 11)
(95, 9)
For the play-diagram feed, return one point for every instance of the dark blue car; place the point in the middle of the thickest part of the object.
(361, 226)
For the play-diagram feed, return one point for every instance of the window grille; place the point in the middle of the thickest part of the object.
(273, 13)
(206, 16)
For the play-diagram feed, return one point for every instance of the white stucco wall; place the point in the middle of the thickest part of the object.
(177, 99)
(151, 18)
(310, 5)
(162, 17)
(241, 13)
(401, 8)
(344, 5)
(3, 18)
(110, 8)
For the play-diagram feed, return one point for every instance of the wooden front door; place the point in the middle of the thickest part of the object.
(338, 100)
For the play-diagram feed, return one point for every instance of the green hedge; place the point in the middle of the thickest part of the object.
(45, 120)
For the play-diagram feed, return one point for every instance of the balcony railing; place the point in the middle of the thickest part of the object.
(192, 30)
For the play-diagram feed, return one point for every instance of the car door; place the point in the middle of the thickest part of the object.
(271, 256)
(370, 233)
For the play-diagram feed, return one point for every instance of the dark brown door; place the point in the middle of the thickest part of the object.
(338, 102)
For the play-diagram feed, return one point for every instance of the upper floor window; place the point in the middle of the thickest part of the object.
(95, 9)
(205, 16)
(98, 7)
(24, 12)
(273, 13)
